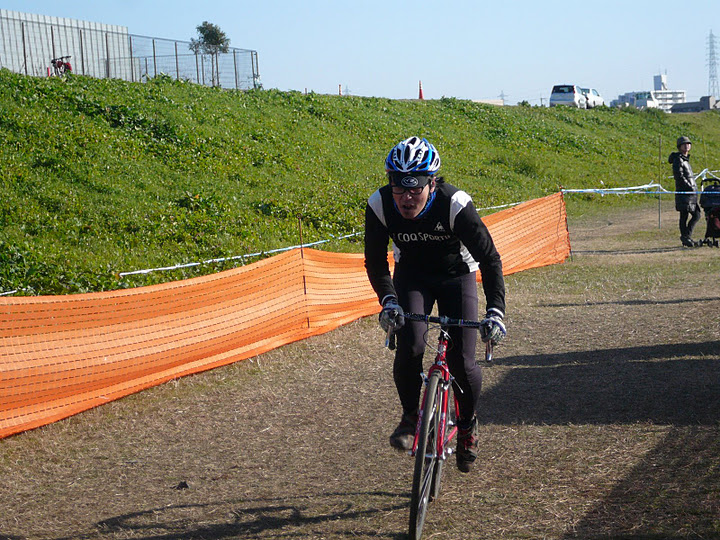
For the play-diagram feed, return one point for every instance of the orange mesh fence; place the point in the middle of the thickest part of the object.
(60, 355)
(532, 234)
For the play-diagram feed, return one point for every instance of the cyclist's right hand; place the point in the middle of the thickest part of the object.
(392, 315)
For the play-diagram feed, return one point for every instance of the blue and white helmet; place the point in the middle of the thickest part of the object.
(413, 155)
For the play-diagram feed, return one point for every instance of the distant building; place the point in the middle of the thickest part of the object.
(660, 97)
(706, 103)
(665, 97)
(644, 99)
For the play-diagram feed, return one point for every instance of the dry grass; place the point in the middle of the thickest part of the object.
(602, 420)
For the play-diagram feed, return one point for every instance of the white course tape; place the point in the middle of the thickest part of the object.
(618, 190)
(705, 174)
(501, 206)
(234, 258)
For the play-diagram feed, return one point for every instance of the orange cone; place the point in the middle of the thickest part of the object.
(420, 95)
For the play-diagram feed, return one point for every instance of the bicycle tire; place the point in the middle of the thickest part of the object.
(441, 460)
(425, 459)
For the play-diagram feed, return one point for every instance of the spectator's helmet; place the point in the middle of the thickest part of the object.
(414, 155)
(683, 140)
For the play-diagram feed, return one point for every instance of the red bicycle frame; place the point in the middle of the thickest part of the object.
(445, 380)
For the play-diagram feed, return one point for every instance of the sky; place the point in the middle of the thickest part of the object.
(474, 49)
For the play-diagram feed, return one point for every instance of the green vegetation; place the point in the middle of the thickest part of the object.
(99, 177)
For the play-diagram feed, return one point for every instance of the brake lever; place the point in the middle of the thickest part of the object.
(390, 338)
(488, 352)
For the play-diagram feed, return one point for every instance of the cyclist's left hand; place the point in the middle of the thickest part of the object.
(493, 328)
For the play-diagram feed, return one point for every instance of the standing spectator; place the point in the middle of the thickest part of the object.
(686, 201)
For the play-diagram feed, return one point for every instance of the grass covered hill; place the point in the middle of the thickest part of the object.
(103, 176)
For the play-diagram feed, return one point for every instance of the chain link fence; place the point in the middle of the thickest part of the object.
(29, 42)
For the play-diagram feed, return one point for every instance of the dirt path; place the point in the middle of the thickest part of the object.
(602, 420)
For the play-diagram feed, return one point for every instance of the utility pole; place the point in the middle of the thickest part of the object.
(503, 96)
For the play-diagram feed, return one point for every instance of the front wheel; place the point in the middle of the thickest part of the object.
(426, 458)
(441, 434)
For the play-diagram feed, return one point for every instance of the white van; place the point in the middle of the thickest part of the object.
(594, 99)
(568, 95)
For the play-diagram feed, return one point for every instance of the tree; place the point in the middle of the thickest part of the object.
(213, 41)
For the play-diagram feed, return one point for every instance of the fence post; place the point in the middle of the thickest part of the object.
(235, 65)
(177, 63)
(255, 68)
(22, 28)
(82, 54)
(107, 56)
(215, 68)
(132, 64)
(197, 68)
(660, 179)
(52, 41)
(154, 60)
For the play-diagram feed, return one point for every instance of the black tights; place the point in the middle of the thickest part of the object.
(456, 298)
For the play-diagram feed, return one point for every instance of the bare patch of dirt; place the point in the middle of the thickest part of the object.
(601, 420)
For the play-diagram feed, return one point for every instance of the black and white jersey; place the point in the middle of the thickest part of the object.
(448, 239)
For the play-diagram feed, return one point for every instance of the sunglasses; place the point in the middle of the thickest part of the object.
(399, 190)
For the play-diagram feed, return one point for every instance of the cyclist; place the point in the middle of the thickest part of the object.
(439, 242)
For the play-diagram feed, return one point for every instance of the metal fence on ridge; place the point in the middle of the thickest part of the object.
(29, 42)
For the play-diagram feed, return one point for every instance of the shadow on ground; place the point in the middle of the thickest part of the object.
(626, 251)
(637, 302)
(291, 517)
(673, 493)
(660, 384)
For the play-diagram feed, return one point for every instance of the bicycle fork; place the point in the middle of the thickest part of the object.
(447, 428)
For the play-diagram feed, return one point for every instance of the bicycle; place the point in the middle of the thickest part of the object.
(61, 66)
(437, 421)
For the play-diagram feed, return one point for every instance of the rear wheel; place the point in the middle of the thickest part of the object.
(426, 459)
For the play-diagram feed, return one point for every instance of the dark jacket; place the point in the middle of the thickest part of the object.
(684, 181)
(449, 239)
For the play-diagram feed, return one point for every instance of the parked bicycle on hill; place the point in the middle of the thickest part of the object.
(60, 66)
(439, 243)
(437, 417)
